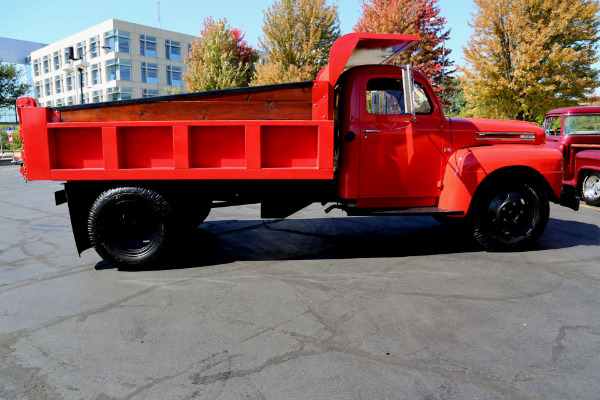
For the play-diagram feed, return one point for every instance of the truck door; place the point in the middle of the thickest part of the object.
(400, 159)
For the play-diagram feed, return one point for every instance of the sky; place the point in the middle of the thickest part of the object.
(47, 21)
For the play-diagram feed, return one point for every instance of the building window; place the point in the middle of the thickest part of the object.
(96, 74)
(97, 96)
(57, 85)
(149, 93)
(80, 50)
(70, 101)
(94, 47)
(59, 102)
(148, 46)
(69, 81)
(36, 68)
(46, 64)
(66, 54)
(117, 41)
(174, 76)
(56, 58)
(172, 50)
(37, 90)
(149, 73)
(119, 93)
(119, 70)
(47, 87)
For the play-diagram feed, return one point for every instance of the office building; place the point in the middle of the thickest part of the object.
(115, 60)
(15, 51)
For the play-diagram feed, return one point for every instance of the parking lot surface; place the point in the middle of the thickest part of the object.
(319, 306)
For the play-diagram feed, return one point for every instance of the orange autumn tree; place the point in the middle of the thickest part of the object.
(219, 59)
(527, 57)
(413, 17)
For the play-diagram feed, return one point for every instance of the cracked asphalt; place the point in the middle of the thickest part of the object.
(315, 307)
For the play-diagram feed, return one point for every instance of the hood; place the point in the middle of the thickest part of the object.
(467, 132)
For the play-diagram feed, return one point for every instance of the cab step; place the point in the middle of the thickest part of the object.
(401, 211)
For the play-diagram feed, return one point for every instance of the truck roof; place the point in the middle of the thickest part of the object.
(575, 110)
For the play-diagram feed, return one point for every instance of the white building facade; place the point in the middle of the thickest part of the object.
(115, 60)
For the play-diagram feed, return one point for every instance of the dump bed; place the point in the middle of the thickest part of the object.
(269, 132)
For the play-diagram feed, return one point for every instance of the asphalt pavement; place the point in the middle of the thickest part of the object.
(319, 306)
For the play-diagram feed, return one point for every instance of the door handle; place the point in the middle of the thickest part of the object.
(370, 131)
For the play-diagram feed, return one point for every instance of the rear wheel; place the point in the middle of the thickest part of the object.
(130, 226)
(590, 189)
(510, 216)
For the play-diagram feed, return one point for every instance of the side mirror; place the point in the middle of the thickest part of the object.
(408, 86)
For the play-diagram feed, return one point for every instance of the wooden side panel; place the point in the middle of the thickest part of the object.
(281, 104)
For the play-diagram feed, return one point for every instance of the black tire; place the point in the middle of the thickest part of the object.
(131, 226)
(510, 216)
(590, 188)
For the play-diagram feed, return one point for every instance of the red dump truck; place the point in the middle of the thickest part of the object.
(575, 132)
(367, 136)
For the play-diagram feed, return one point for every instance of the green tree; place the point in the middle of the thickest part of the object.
(526, 57)
(219, 59)
(298, 35)
(413, 17)
(11, 85)
(455, 98)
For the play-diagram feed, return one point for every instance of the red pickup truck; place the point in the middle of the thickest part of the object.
(366, 135)
(575, 132)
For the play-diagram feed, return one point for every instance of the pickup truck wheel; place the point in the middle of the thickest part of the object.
(130, 226)
(510, 216)
(590, 189)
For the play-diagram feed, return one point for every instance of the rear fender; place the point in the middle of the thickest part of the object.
(468, 169)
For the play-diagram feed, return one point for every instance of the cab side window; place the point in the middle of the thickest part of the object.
(386, 96)
(552, 125)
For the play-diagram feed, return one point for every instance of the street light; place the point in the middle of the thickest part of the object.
(435, 21)
(79, 64)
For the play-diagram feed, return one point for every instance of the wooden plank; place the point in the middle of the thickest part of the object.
(189, 110)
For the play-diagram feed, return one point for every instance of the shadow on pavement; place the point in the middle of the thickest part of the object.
(227, 241)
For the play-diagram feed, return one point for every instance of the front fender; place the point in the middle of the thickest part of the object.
(467, 168)
(587, 160)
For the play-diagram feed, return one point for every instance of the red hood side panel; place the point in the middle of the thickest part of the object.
(468, 132)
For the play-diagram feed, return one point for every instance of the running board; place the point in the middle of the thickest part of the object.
(401, 211)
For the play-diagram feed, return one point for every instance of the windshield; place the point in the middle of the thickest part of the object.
(582, 125)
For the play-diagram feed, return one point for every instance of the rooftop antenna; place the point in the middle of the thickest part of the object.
(158, 7)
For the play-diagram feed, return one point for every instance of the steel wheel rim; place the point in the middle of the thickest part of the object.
(512, 216)
(591, 188)
(133, 228)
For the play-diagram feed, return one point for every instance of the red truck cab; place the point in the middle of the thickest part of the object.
(575, 132)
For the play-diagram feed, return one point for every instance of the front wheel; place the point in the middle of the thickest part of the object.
(130, 226)
(590, 189)
(510, 216)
